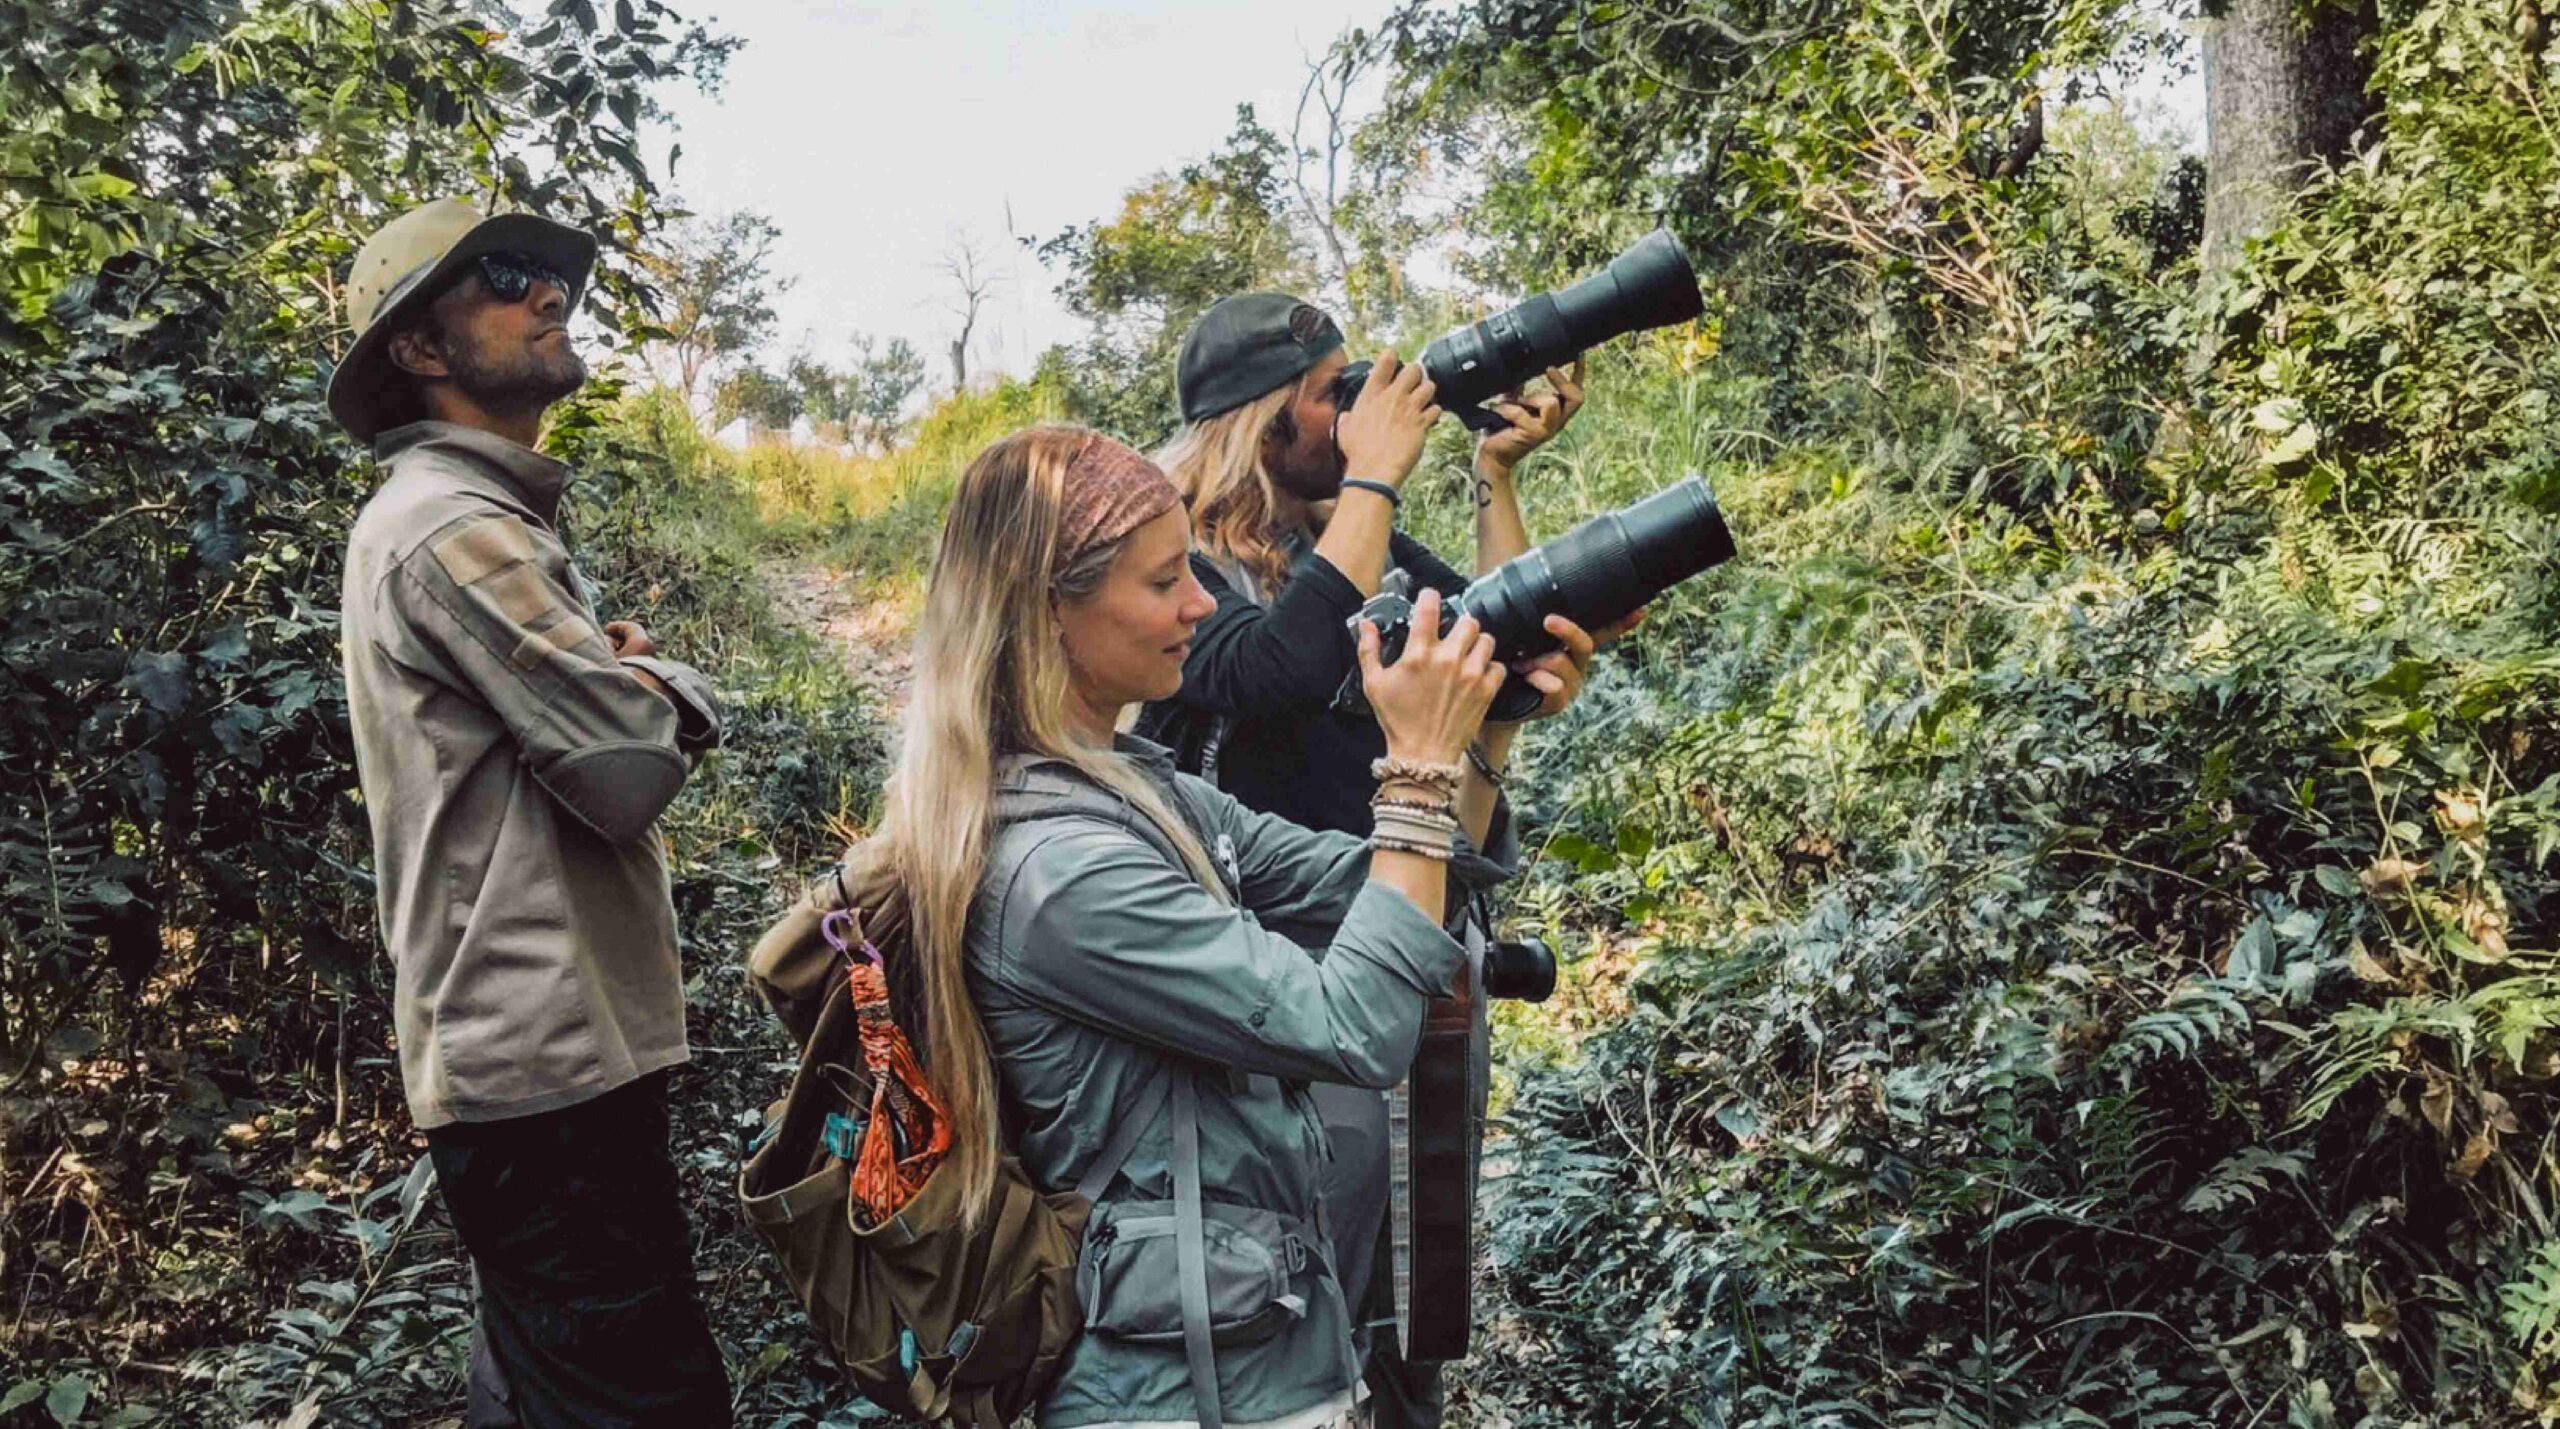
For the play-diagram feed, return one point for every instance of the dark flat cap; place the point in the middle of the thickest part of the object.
(1247, 345)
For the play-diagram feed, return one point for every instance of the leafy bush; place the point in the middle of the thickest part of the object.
(216, 1213)
(2059, 929)
(2088, 906)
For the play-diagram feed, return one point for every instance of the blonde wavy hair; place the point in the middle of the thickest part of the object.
(1216, 463)
(991, 679)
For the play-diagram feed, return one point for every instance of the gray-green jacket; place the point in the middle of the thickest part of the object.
(1099, 967)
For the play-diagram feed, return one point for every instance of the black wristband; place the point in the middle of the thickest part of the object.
(1395, 499)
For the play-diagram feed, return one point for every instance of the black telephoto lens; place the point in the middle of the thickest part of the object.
(1601, 570)
(1650, 285)
(1594, 575)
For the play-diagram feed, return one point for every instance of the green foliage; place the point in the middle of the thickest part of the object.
(2083, 902)
(214, 1215)
(881, 515)
(2059, 930)
(2394, 359)
(2532, 1302)
(715, 297)
(867, 401)
(1180, 242)
(363, 1347)
(1185, 239)
(766, 399)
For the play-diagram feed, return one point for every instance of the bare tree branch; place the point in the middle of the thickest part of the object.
(973, 277)
(1330, 78)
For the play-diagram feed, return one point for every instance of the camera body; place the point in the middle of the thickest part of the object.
(1599, 572)
(1650, 285)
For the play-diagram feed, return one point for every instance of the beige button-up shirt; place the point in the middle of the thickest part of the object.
(513, 769)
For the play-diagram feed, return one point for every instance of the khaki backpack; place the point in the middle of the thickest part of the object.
(931, 1320)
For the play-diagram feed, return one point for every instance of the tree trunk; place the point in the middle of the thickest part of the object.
(2281, 93)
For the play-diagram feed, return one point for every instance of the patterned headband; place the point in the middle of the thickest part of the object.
(1110, 491)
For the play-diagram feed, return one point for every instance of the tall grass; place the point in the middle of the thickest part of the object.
(876, 515)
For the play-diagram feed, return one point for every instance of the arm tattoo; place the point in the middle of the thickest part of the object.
(1484, 493)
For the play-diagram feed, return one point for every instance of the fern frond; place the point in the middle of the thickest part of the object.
(2197, 1015)
(2241, 1178)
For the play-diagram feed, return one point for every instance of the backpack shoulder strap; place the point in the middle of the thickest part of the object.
(1191, 1251)
(1124, 1138)
(1191, 1243)
(1191, 1246)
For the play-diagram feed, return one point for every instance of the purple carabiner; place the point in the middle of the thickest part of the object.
(832, 929)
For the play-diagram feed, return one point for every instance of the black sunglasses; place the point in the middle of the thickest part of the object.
(512, 275)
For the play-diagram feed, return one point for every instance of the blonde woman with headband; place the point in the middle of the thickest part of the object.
(1294, 499)
(1090, 932)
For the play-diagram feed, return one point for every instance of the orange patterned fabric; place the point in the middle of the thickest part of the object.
(903, 1108)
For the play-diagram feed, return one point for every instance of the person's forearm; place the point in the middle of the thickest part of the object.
(1500, 531)
(1355, 540)
(1476, 794)
(1419, 877)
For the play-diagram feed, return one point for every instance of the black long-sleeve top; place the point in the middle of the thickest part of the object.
(1269, 674)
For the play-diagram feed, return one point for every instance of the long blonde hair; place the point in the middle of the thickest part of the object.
(1216, 463)
(991, 679)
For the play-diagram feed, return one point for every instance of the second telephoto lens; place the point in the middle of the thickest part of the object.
(1650, 285)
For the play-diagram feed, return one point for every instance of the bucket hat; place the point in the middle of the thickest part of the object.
(406, 264)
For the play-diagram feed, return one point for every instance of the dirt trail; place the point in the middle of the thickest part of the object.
(872, 630)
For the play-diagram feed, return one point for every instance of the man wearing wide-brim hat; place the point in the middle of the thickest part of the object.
(515, 754)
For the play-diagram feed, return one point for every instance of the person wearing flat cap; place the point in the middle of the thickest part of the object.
(1293, 501)
(515, 754)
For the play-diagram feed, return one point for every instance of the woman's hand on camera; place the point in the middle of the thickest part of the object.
(1535, 419)
(1381, 435)
(1559, 674)
(1432, 700)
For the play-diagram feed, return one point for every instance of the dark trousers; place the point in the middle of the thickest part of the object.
(1403, 1393)
(585, 1269)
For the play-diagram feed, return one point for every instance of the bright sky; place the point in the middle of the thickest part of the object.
(874, 134)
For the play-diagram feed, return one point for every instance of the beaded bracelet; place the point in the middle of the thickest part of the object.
(1477, 759)
(1437, 853)
(1432, 814)
(1427, 806)
(1410, 790)
(1434, 776)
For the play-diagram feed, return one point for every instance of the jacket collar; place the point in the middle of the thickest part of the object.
(1018, 771)
(537, 479)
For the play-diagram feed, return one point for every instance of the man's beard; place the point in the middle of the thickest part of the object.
(1319, 479)
(530, 380)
